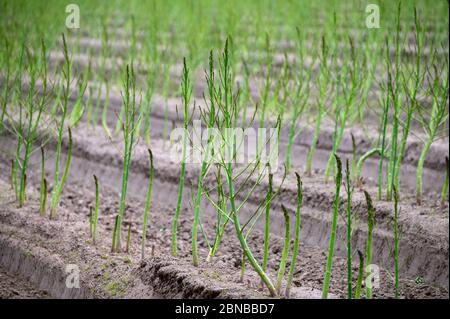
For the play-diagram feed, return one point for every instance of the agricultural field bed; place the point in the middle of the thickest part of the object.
(160, 275)
(424, 253)
(224, 150)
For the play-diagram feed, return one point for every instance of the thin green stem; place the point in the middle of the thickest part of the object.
(57, 189)
(128, 245)
(395, 92)
(186, 92)
(444, 192)
(128, 126)
(91, 222)
(370, 225)
(396, 243)
(285, 251)
(362, 159)
(43, 190)
(58, 184)
(147, 204)
(329, 264)
(95, 217)
(229, 112)
(419, 170)
(297, 234)
(267, 223)
(349, 189)
(359, 280)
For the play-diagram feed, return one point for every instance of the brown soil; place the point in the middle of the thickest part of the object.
(13, 287)
(35, 251)
(104, 275)
(423, 248)
(32, 244)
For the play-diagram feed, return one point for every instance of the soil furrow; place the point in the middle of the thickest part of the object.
(424, 248)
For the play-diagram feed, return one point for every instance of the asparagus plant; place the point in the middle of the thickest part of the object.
(79, 109)
(227, 106)
(349, 96)
(43, 189)
(95, 215)
(411, 87)
(127, 247)
(360, 275)
(329, 264)
(370, 224)
(267, 223)
(205, 164)
(396, 243)
(114, 239)
(444, 192)
(186, 88)
(382, 136)
(297, 234)
(222, 217)
(395, 93)
(437, 120)
(362, 159)
(354, 156)
(30, 113)
(349, 190)
(59, 182)
(91, 222)
(6, 81)
(243, 267)
(18, 93)
(129, 122)
(285, 251)
(147, 204)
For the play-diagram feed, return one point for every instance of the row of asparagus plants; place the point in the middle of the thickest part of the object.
(404, 84)
(223, 112)
(223, 102)
(27, 112)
